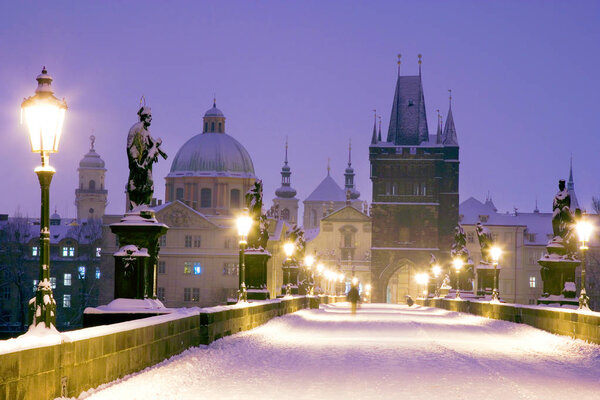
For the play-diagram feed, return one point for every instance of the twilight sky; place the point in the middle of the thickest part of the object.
(524, 76)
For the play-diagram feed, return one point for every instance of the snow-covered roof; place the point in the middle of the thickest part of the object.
(66, 228)
(214, 112)
(212, 154)
(328, 190)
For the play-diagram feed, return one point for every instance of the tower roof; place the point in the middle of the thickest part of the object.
(286, 191)
(92, 159)
(408, 121)
(449, 137)
(571, 188)
(328, 190)
(214, 111)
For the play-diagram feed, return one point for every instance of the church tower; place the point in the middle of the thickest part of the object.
(286, 199)
(415, 188)
(90, 196)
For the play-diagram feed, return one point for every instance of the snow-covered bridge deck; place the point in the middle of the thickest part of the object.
(383, 352)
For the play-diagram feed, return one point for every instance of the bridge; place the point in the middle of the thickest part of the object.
(382, 352)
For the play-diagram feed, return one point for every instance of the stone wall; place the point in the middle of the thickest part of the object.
(566, 322)
(87, 358)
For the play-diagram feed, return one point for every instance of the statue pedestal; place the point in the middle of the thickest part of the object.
(485, 278)
(256, 274)
(557, 269)
(292, 272)
(137, 258)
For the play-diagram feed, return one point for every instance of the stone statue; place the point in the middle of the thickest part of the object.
(485, 242)
(562, 218)
(142, 152)
(459, 247)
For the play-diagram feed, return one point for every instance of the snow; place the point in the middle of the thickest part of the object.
(130, 306)
(383, 352)
(36, 336)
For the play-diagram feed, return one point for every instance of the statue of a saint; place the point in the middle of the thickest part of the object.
(485, 242)
(562, 217)
(142, 152)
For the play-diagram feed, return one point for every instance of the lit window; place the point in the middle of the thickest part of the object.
(71, 251)
(188, 241)
(81, 271)
(162, 267)
(66, 301)
(187, 294)
(98, 250)
(97, 272)
(197, 269)
(67, 280)
(532, 281)
(187, 267)
(68, 251)
(35, 285)
(160, 293)
(195, 294)
(35, 251)
(53, 282)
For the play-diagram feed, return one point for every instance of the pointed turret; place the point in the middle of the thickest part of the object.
(438, 137)
(349, 177)
(374, 137)
(408, 120)
(286, 191)
(449, 137)
(571, 188)
(379, 136)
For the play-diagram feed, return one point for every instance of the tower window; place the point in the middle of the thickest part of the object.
(206, 127)
(179, 194)
(212, 126)
(285, 214)
(235, 198)
(220, 128)
(314, 217)
(205, 198)
(92, 185)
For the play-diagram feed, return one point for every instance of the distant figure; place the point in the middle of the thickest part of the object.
(353, 297)
(409, 300)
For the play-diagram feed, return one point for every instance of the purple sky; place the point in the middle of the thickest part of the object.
(524, 75)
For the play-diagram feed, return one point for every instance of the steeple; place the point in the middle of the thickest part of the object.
(571, 188)
(438, 138)
(379, 136)
(91, 196)
(286, 191)
(449, 137)
(374, 137)
(214, 120)
(408, 120)
(349, 176)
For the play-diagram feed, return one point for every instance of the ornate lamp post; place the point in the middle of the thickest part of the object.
(436, 270)
(288, 249)
(44, 115)
(320, 269)
(584, 231)
(308, 262)
(244, 223)
(458, 264)
(495, 252)
(422, 279)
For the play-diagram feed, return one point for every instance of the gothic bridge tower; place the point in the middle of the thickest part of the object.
(415, 191)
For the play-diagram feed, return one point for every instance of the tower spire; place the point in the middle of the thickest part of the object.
(571, 183)
(379, 136)
(351, 192)
(328, 166)
(286, 149)
(374, 136)
(399, 56)
(449, 137)
(438, 137)
(350, 152)
(450, 98)
(420, 56)
(285, 191)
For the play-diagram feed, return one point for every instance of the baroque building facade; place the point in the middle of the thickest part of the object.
(415, 191)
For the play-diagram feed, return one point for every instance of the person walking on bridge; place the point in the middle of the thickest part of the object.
(353, 297)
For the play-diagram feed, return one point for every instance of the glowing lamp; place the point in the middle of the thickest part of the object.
(309, 261)
(495, 252)
(437, 270)
(288, 249)
(244, 223)
(584, 231)
(458, 263)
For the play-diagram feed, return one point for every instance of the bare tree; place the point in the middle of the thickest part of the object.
(14, 244)
(596, 204)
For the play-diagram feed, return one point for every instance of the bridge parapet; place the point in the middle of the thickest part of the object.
(72, 362)
(567, 322)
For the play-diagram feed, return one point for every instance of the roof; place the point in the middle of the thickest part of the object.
(328, 190)
(66, 228)
(212, 154)
(92, 160)
(347, 213)
(408, 120)
(449, 137)
(214, 112)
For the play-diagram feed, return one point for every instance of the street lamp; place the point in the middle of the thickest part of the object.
(495, 252)
(458, 264)
(44, 115)
(288, 249)
(437, 270)
(584, 231)
(422, 279)
(244, 223)
(308, 262)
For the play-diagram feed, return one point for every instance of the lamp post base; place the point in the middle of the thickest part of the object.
(42, 308)
(243, 293)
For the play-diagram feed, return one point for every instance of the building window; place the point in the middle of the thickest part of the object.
(188, 241)
(424, 190)
(35, 285)
(227, 243)
(68, 251)
(235, 198)
(532, 281)
(470, 237)
(97, 272)
(285, 214)
(179, 194)
(212, 126)
(92, 185)
(53, 282)
(416, 189)
(187, 267)
(66, 301)
(187, 294)
(413, 150)
(315, 220)
(205, 198)
(394, 189)
(98, 250)
(197, 241)
(81, 271)
(67, 280)
(195, 294)
(230, 269)
(206, 127)
(220, 128)
(162, 267)
(197, 269)
(160, 293)
(35, 251)
(162, 241)
(6, 292)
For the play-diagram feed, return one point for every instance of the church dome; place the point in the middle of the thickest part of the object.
(214, 112)
(212, 154)
(92, 159)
